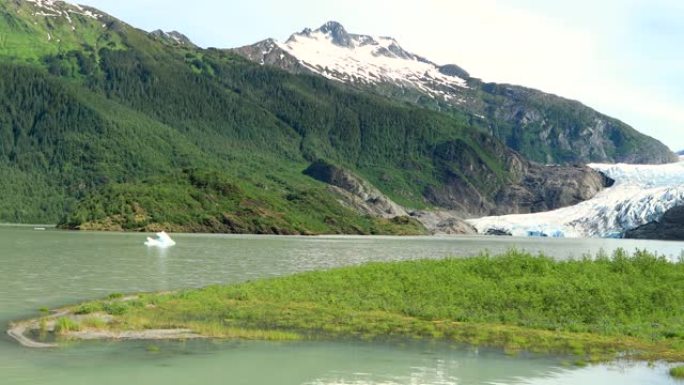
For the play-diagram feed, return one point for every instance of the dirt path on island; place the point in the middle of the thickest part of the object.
(19, 332)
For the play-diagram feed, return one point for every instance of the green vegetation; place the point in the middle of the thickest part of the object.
(210, 202)
(111, 129)
(88, 308)
(42, 328)
(92, 323)
(592, 308)
(65, 325)
(26, 36)
(541, 141)
(677, 372)
(542, 127)
(105, 127)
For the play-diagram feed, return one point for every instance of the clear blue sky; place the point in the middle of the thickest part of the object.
(622, 57)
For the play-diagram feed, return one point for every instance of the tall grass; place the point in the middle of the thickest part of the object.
(65, 325)
(587, 307)
(677, 372)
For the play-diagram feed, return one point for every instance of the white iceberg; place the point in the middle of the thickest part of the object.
(162, 240)
(641, 194)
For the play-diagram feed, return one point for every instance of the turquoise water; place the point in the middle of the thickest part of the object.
(52, 268)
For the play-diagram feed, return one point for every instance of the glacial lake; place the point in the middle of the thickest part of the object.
(52, 268)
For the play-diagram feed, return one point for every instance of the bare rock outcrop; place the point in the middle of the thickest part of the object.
(534, 188)
(545, 188)
(444, 222)
(670, 227)
(475, 186)
(355, 192)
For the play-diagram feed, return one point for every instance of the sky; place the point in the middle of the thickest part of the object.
(624, 58)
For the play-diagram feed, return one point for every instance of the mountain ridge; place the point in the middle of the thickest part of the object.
(111, 128)
(173, 38)
(544, 127)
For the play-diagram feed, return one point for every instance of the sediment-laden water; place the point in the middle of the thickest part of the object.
(50, 268)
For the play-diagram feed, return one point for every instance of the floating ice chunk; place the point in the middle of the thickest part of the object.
(162, 240)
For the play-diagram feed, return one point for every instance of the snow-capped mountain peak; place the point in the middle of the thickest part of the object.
(333, 52)
(336, 32)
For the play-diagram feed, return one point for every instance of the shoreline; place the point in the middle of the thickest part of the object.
(512, 340)
(56, 228)
(436, 235)
(19, 331)
(596, 310)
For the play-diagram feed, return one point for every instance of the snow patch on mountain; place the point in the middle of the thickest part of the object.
(642, 194)
(338, 55)
(56, 8)
(173, 37)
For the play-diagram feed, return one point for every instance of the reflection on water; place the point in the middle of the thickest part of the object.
(50, 268)
(311, 363)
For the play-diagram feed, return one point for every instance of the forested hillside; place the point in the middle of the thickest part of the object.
(108, 127)
(543, 127)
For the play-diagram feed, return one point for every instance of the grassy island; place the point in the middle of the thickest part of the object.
(594, 308)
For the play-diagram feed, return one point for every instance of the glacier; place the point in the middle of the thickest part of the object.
(641, 194)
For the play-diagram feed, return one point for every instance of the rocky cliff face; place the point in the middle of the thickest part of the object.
(670, 227)
(444, 222)
(529, 187)
(363, 197)
(267, 52)
(543, 127)
(534, 188)
(546, 188)
(550, 129)
(355, 192)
